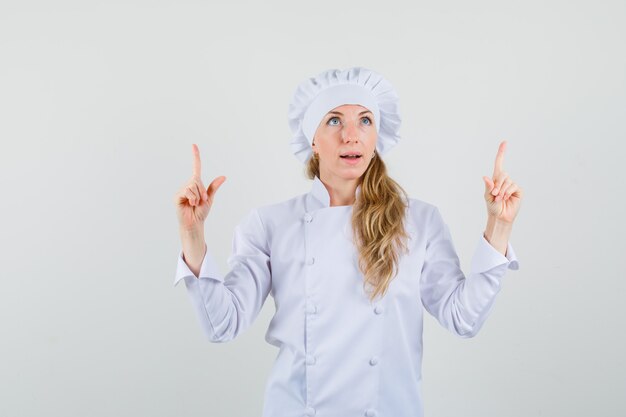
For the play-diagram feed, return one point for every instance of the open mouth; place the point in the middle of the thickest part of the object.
(350, 156)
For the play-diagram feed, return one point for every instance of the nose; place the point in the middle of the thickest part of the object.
(349, 133)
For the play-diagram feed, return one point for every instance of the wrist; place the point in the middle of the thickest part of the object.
(497, 233)
(192, 234)
(194, 248)
(493, 221)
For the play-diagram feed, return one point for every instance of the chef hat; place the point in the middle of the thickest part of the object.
(317, 96)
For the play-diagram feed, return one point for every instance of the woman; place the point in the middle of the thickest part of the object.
(349, 264)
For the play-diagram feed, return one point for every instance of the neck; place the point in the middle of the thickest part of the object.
(342, 192)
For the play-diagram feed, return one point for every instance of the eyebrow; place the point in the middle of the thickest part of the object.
(341, 114)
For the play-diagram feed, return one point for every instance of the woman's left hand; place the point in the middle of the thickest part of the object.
(502, 195)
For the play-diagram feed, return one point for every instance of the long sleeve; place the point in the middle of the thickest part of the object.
(226, 306)
(461, 304)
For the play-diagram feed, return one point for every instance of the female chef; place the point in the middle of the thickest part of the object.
(351, 264)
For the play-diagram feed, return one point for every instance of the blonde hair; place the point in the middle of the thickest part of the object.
(378, 217)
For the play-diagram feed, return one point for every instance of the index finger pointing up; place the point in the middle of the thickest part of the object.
(197, 165)
(499, 159)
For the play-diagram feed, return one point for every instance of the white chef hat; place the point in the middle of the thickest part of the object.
(332, 88)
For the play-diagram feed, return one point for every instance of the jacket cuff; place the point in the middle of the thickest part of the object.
(208, 269)
(487, 257)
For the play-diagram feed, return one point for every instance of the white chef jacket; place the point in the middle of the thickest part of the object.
(341, 355)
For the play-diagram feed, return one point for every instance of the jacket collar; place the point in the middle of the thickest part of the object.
(318, 196)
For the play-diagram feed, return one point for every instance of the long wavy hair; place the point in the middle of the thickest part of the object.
(378, 224)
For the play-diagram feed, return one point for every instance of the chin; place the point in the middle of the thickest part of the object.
(351, 174)
(346, 172)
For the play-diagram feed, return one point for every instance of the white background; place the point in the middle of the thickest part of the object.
(101, 101)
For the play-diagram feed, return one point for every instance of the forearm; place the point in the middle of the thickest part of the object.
(194, 248)
(497, 234)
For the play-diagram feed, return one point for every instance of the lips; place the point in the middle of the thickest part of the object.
(351, 155)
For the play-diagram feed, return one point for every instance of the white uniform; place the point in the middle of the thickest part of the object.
(340, 355)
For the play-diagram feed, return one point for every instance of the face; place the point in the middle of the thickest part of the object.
(347, 129)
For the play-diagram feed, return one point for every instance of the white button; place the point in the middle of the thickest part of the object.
(310, 261)
(310, 411)
(378, 309)
(308, 218)
(310, 360)
(370, 413)
(310, 307)
(374, 360)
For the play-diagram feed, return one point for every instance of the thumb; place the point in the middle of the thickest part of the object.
(214, 186)
(488, 185)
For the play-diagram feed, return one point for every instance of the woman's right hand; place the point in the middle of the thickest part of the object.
(193, 201)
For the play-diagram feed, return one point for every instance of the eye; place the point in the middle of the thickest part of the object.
(369, 121)
(331, 119)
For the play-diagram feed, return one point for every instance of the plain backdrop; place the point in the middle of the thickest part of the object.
(100, 102)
